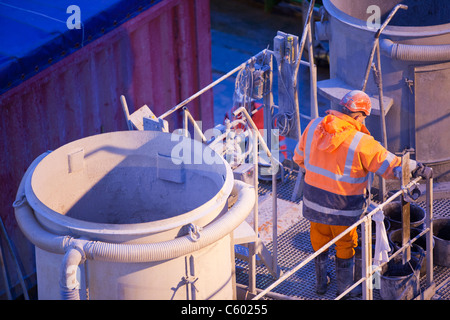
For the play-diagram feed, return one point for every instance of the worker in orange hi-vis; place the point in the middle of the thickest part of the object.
(337, 153)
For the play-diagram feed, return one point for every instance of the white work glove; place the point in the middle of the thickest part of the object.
(382, 243)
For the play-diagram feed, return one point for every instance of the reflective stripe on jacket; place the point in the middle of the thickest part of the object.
(338, 153)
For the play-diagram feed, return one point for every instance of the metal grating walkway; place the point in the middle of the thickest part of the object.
(294, 246)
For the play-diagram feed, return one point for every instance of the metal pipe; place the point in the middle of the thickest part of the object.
(379, 267)
(304, 262)
(252, 246)
(409, 52)
(126, 111)
(185, 123)
(255, 128)
(380, 92)
(130, 253)
(16, 261)
(389, 18)
(105, 251)
(272, 295)
(69, 285)
(366, 255)
(379, 82)
(268, 102)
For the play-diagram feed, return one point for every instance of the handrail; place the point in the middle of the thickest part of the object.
(188, 117)
(329, 244)
(273, 160)
(212, 84)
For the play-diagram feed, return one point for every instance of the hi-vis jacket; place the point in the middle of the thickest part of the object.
(338, 153)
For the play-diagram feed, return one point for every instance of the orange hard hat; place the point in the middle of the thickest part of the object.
(357, 100)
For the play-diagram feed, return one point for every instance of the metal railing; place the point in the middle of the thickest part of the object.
(367, 269)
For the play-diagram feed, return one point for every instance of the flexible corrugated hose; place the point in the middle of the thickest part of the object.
(76, 250)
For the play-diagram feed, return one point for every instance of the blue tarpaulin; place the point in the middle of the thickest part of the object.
(34, 33)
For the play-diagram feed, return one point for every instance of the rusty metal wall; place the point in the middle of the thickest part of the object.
(159, 58)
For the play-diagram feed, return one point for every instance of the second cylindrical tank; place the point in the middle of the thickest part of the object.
(415, 65)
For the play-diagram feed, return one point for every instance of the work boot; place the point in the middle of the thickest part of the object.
(344, 277)
(322, 278)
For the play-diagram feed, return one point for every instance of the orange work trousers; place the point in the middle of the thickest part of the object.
(321, 234)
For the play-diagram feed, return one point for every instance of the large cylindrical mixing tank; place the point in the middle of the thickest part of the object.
(130, 191)
(415, 65)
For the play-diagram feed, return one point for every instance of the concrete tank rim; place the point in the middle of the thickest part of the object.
(394, 31)
(80, 227)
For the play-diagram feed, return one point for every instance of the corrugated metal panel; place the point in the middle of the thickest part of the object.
(158, 58)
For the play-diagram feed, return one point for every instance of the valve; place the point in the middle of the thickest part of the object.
(412, 194)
